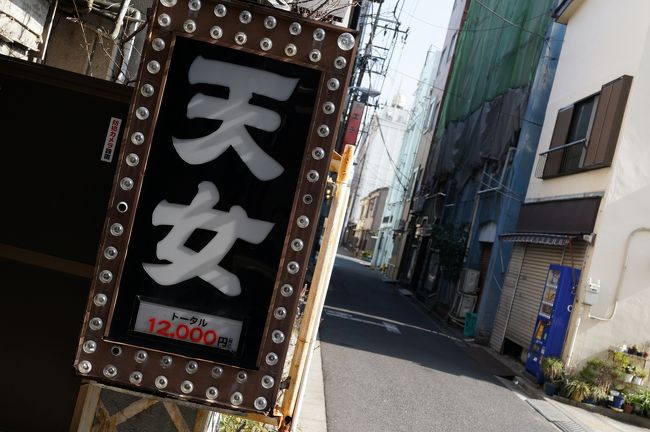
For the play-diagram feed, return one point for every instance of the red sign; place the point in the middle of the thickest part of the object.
(354, 123)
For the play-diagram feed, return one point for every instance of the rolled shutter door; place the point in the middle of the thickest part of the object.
(507, 296)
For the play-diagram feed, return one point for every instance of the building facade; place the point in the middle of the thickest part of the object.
(402, 261)
(366, 232)
(466, 192)
(406, 176)
(588, 198)
(377, 155)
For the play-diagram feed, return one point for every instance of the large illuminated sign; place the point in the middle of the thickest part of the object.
(211, 220)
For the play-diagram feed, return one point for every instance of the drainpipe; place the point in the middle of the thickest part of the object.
(134, 17)
(619, 281)
(119, 21)
(573, 329)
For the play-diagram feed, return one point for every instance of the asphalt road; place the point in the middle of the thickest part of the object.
(389, 367)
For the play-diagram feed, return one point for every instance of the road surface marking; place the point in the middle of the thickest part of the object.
(391, 328)
(353, 316)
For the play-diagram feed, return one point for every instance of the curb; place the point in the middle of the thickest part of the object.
(632, 419)
(534, 392)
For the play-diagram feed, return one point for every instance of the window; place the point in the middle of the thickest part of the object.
(442, 56)
(451, 46)
(581, 121)
(586, 132)
(431, 114)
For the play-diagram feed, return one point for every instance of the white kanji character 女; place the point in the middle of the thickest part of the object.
(200, 214)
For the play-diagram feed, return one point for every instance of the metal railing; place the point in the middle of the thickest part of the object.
(567, 158)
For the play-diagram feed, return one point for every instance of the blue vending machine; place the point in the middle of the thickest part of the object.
(553, 317)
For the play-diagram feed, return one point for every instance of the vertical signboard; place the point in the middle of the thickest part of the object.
(354, 123)
(212, 215)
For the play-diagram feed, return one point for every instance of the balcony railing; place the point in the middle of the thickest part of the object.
(565, 159)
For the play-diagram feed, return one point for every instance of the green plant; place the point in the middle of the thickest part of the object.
(630, 397)
(553, 369)
(620, 360)
(599, 373)
(598, 393)
(641, 373)
(578, 390)
(642, 399)
(450, 243)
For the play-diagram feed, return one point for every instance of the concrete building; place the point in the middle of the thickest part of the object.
(406, 177)
(466, 194)
(366, 232)
(378, 152)
(402, 262)
(588, 200)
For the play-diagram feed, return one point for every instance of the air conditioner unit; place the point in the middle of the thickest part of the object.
(469, 281)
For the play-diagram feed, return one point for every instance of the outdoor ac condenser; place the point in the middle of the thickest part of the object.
(469, 281)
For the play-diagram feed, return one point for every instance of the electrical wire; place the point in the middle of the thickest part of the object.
(514, 24)
(467, 29)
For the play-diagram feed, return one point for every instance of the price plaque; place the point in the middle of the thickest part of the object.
(188, 326)
(212, 216)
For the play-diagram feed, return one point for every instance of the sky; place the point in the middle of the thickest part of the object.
(427, 21)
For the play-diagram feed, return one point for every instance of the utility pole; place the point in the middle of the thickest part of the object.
(369, 64)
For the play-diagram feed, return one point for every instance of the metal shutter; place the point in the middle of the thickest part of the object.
(522, 289)
(507, 296)
(529, 291)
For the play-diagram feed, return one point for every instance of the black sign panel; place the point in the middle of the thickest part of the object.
(212, 214)
(236, 195)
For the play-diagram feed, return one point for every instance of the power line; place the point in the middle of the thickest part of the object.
(477, 29)
(514, 24)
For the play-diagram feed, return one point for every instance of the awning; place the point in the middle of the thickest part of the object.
(538, 238)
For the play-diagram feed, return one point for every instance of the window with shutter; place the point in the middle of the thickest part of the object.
(586, 132)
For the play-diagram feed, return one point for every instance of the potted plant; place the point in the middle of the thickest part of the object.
(632, 350)
(600, 374)
(639, 375)
(553, 370)
(618, 401)
(628, 373)
(578, 390)
(598, 395)
(642, 399)
(621, 360)
(628, 405)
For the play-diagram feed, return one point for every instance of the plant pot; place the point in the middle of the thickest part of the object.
(645, 354)
(631, 351)
(550, 388)
(627, 408)
(618, 402)
(637, 380)
(589, 400)
(628, 377)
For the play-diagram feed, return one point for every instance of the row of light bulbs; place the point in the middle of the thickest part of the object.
(345, 41)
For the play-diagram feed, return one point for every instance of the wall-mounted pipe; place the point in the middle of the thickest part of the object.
(134, 18)
(621, 274)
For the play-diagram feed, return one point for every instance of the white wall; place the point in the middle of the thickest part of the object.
(377, 170)
(605, 40)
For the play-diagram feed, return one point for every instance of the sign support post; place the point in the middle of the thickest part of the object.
(292, 402)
